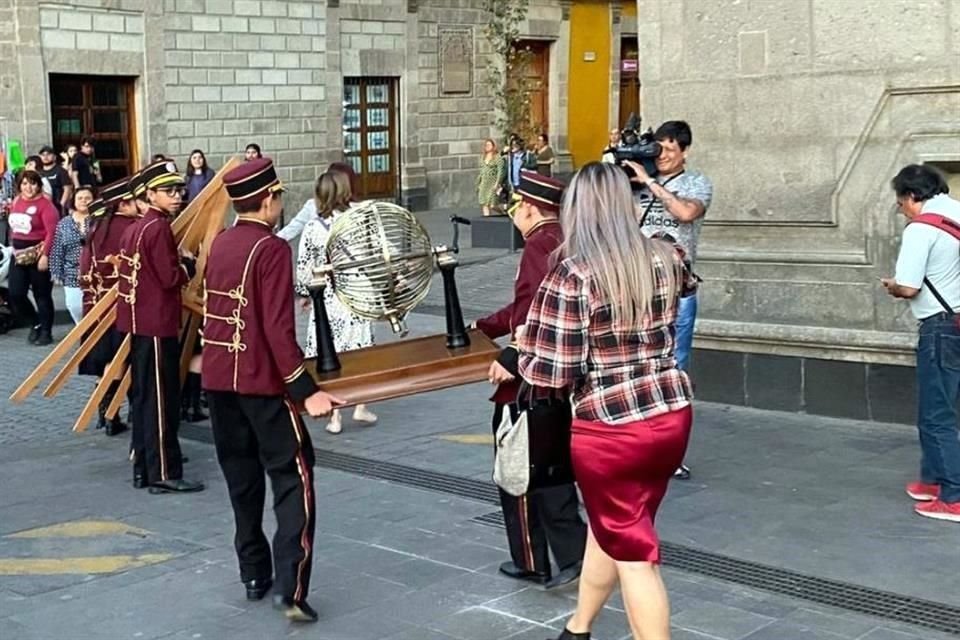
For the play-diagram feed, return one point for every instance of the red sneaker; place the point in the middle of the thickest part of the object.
(923, 492)
(939, 510)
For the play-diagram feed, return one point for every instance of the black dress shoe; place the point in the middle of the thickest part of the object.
(257, 589)
(33, 335)
(139, 479)
(197, 416)
(566, 576)
(44, 338)
(176, 486)
(567, 635)
(513, 571)
(295, 611)
(184, 459)
(682, 472)
(115, 427)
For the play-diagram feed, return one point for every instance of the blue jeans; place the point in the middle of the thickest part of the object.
(683, 330)
(938, 383)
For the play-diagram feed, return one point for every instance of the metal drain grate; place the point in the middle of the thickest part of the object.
(882, 604)
(391, 471)
(843, 595)
(409, 476)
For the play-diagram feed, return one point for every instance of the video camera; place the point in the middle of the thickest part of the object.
(637, 147)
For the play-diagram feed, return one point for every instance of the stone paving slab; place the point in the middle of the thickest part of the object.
(811, 494)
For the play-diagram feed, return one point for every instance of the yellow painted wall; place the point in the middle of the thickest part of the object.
(629, 8)
(589, 86)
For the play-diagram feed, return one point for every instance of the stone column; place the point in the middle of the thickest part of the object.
(559, 74)
(334, 75)
(28, 121)
(413, 174)
(151, 92)
(615, 50)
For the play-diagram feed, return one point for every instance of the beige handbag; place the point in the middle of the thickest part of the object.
(29, 256)
(511, 463)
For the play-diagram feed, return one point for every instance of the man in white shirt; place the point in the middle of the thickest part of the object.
(928, 275)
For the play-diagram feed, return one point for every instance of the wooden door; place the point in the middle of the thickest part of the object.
(370, 134)
(629, 79)
(101, 107)
(537, 83)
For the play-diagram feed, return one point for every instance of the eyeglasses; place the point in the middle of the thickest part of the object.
(173, 191)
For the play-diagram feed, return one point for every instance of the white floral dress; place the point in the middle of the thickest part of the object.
(349, 331)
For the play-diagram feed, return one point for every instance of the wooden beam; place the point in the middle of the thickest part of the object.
(111, 373)
(74, 362)
(120, 395)
(32, 381)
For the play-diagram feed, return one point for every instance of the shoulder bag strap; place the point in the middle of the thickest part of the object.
(946, 225)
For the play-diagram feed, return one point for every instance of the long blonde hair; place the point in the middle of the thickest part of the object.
(333, 193)
(601, 231)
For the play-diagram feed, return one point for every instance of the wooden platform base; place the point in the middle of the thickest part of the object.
(407, 367)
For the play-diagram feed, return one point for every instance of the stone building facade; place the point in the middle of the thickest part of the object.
(169, 76)
(802, 113)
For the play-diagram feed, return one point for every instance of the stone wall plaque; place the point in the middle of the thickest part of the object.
(456, 60)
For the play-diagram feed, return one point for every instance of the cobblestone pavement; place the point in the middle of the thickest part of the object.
(786, 492)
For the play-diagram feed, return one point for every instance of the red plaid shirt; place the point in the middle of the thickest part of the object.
(617, 376)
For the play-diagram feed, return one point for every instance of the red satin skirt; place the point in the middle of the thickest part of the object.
(623, 471)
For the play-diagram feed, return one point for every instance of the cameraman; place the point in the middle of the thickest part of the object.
(673, 205)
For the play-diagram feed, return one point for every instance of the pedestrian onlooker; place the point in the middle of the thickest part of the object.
(198, 174)
(609, 152)
(928, 275)
(84, 165)
(33, 163)
(517, 160)
(601, 326)
(673, 206)
(252, 152)
(68, 241)
(33, 222)
(61, 185)
(545, 156)
(490, 177)
(333, 198)
(308, 211)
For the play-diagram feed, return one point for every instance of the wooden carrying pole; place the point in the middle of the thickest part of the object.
(92, 317)
(111, 373)
(119, 396)
(74, 362)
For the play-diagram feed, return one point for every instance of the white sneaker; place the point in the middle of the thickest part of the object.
(335, 425)
(362, 414)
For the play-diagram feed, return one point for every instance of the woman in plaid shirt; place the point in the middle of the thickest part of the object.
(601, 325)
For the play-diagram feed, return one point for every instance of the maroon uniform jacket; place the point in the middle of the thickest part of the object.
(535, 263)
(150, 278)
(249, 336)
(98, 273)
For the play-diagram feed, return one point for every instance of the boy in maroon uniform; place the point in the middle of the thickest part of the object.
(254, 377)
(151, 275)
(112, 213)
(546, 518)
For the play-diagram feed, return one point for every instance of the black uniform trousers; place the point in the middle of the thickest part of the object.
(547, 517)
(253, 435)
(155, 382)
